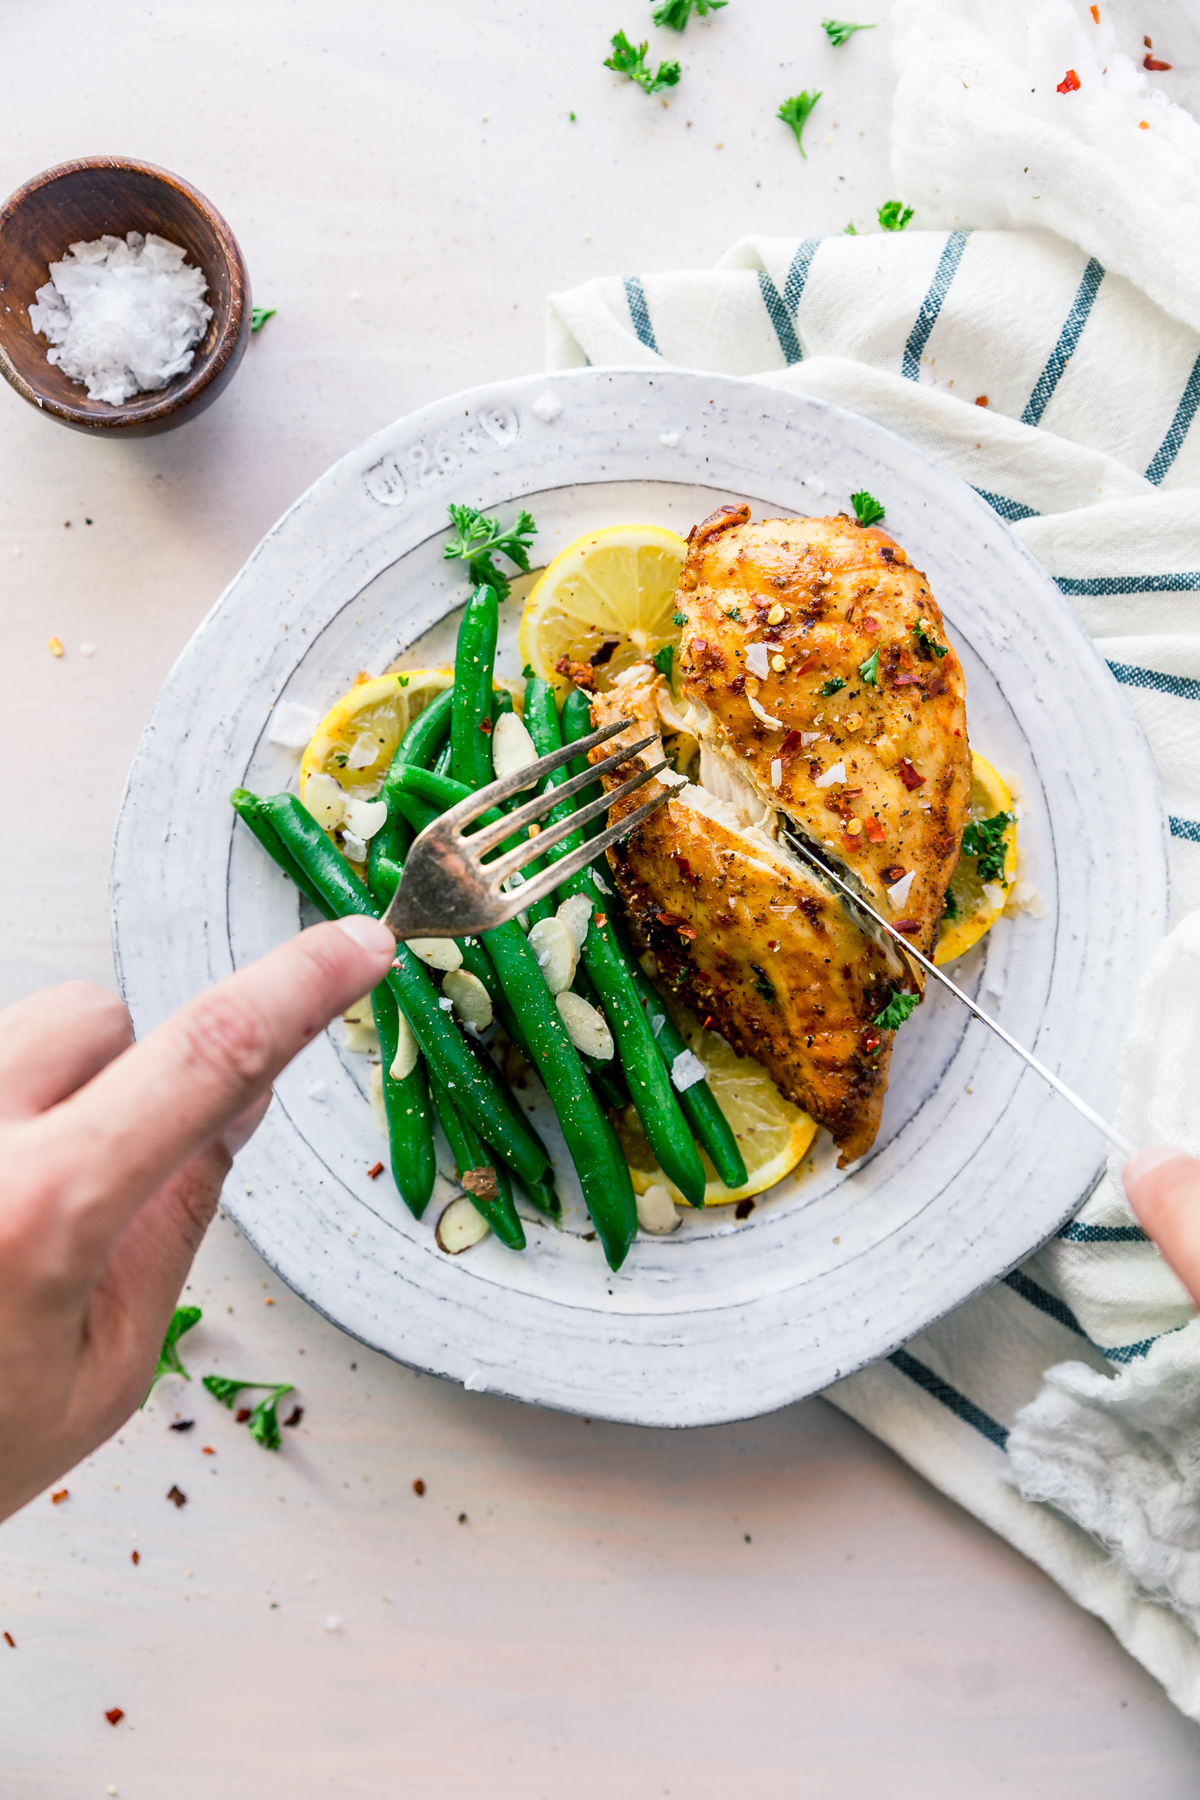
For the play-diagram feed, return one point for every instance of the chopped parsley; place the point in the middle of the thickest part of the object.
(834, 685)
(898, 1008)
(795, 111)
(867, 509)
(663, 657)
(679, 618)
(481, 538)
(628, 59)
(264, 1421)
(762, 982)
(950, 910)
(259, 316)
(869, 670)
(182, 1319)
(851, 230)
(528, 673)
(984, 840)
(894, 215)
(838, 30)
(921, 633)
(676, 13)
(734, 612)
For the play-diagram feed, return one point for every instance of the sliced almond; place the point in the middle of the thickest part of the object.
(657, 1213)
(472, 1002)
(512, 747)
(407, 1050)
(363, 817)
(576, 915)
(359, 1020)
(556, 953)
(586, 1028)
(460, 1226)
(439, 953)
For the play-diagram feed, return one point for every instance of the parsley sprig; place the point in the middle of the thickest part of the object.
(838, 30)
(169, 1363)
(898, 1008)
(984, 840)
(833, 686)
(869, 670)
(921, 633)
(480, 539)
(894, 215)
(676, 13)
(259, 316)
(867, 509)
(264, 1420)
(630, 59)
(795, 111)
(663, 658)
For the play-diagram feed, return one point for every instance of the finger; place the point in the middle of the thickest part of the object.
(53, 1042)
(113, 1144)
(1163, 1186)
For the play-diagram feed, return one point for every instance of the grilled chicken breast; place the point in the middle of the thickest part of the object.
(745, 932)
(817, 667)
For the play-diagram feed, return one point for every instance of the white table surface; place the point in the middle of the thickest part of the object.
(773, 1609)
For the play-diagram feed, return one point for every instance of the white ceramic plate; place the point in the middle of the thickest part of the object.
(976, 1162)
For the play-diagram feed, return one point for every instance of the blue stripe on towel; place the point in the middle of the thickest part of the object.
(1178, 429)
(1008, 509)
(1075, 1233)
(778, 315)
(1044, 1301)
(1184, 581)
(1182, 687)
(1188, 829)
(797, 275)
(635, 294)
(950, 1397)
(931, 305)
(1068, 338)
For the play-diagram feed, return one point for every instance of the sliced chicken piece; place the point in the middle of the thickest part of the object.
(744, 932)
(816, 663)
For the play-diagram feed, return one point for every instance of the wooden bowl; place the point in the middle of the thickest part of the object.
(82, 201)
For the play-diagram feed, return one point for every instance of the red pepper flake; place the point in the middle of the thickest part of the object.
(295, 1416)
(743, 1209)
(981, 399)
(810, 662)
(868, 623)
(1069, 82)
(115, 1714)
(670, 919)
(909, 776)
(893, 873)
(57, 1498)
(418, 1487)
(874, 829)
(242, 1414)
(792, 742)
(1143, 124)
(870, 1041)
(1095, 12)
(600, 921)
(688, 932)
(177, 1494)
(905, 678)
(909, 925)
(375, 1171)
(485, 725)
(699, 646)
(135, 1557)
(1154, 63)
(208, 1450)
(706, 1023)
(852, 793)
(10, 1640)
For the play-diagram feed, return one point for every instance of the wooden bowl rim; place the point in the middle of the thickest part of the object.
(153, 407)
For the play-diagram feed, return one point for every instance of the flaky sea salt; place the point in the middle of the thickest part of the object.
(122, 314)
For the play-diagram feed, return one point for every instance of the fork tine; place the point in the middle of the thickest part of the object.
(455, 817)
(480, 842)
(532, 848)
(544, 883)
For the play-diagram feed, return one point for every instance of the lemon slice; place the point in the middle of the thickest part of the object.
(356, 740)
(975, 911)
(772, 1134)
(612, 587)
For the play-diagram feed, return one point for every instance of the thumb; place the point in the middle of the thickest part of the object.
(1163, 1186)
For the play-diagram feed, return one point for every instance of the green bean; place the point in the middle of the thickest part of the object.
(603, 1172)
(543, 1193)
(437, 793)
(406, 1103)
(577, 723)
(471, 718)
(477, 962)
(502, 702)
(422, 740)
(249, 809)
(469, 1153)
(698, 1102)
(477, 1095)
(444, 761)
(541, 722)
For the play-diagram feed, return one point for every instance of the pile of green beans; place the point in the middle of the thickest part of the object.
(445, 755)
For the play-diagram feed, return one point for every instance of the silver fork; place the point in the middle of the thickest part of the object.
(449, 891)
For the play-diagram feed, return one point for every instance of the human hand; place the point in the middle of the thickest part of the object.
(1163, 1186)
(112, 1157)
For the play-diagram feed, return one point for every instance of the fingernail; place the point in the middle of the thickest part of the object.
(370, 934)
(1140, 1165)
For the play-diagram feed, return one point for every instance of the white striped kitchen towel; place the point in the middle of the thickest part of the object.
(1062, 1407)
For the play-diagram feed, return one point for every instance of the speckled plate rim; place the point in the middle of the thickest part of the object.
(731, 1324)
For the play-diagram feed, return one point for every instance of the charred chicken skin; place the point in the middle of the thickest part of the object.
(744, 932)
(816, 663)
